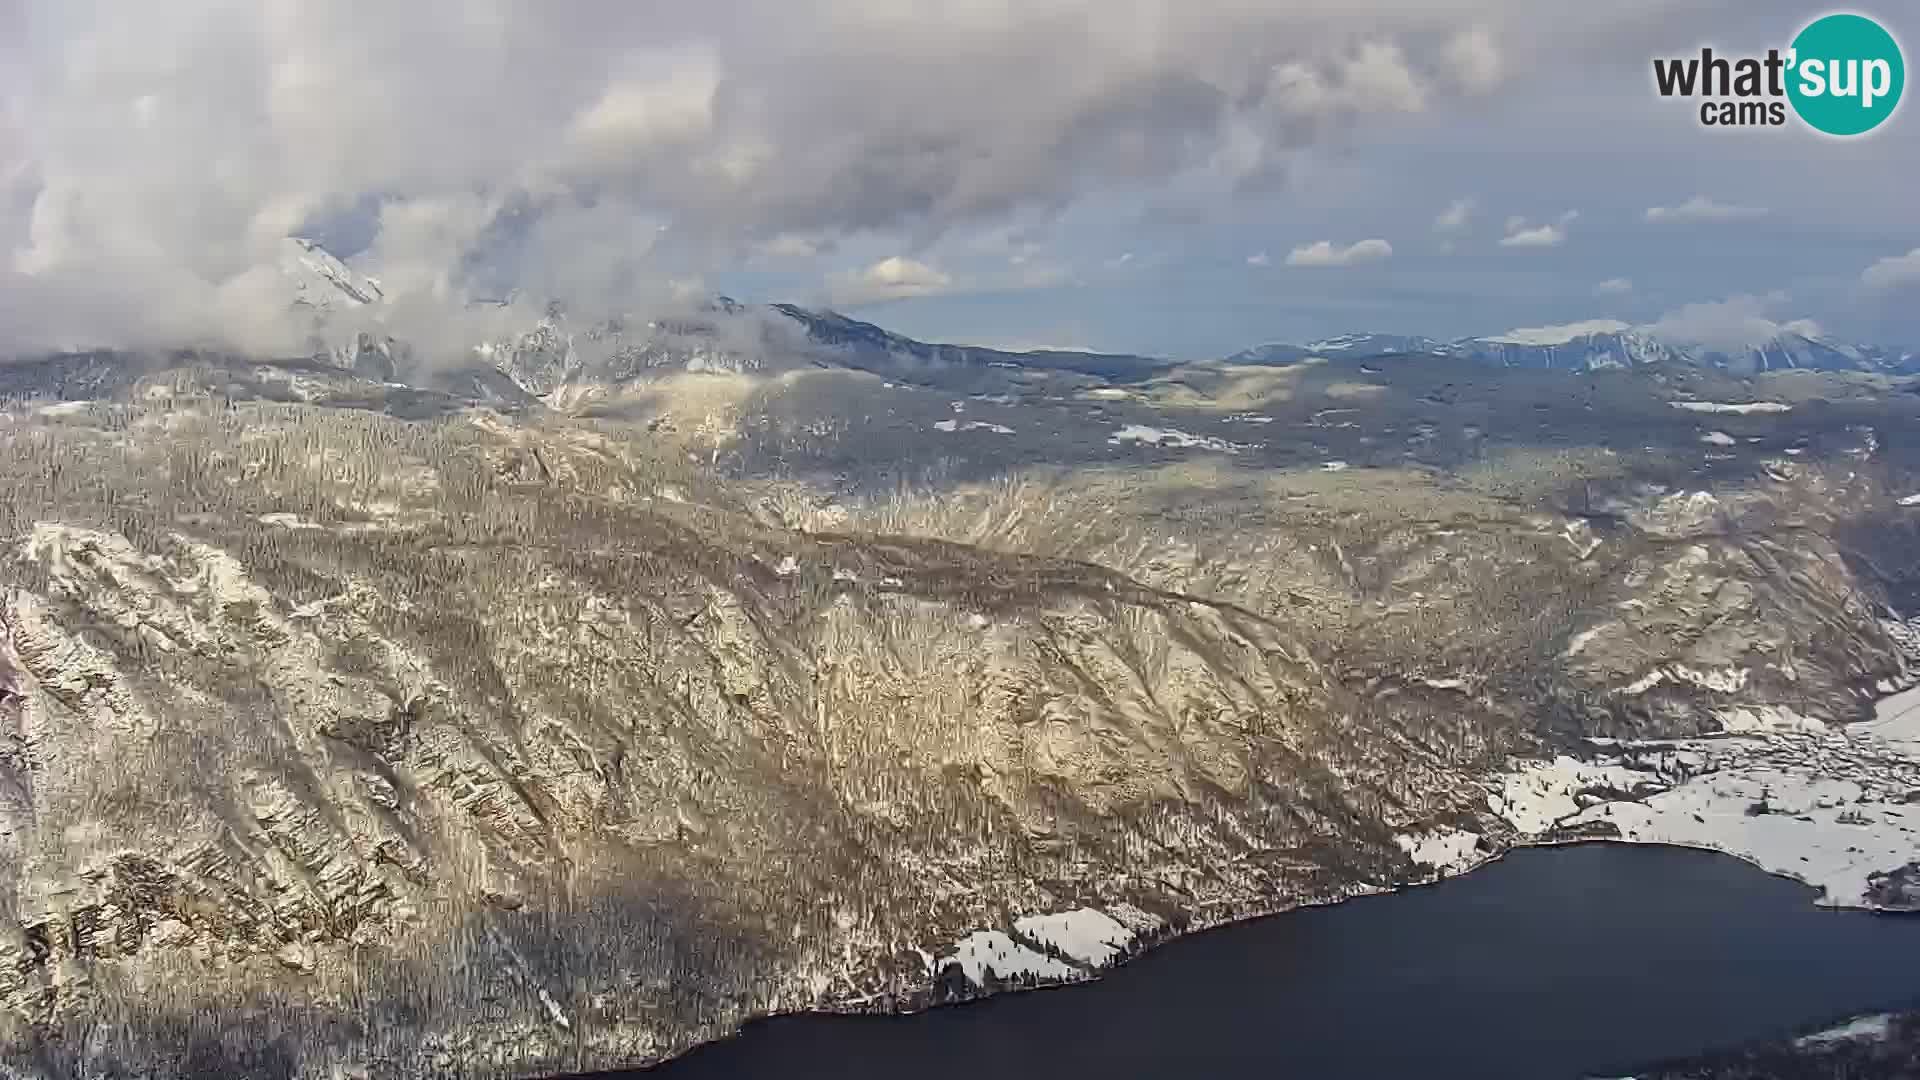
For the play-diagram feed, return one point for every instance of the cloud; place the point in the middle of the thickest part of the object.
(1893, 272)
(1455, 216)
(1522, 235)
(1324, 253)
(794, 246)
(154, 157)
(1374, 77)
(894, 278)
(1473, 60)
(1613, 286)
(1259, 258)
(900, 277)
(1701, 208)
(160, 157)
(1729, 325)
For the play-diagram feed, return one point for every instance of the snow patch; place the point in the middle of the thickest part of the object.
(1442, 848)
(286, 521)
(1541, 794)
(1728, 681)
(994, 949)
(1725, 407)
(1767, 718)
(1172, 437)
(1863, 1029)
(1910, 500)
(1579, 535)
(1824, 805)
(972, 425)
(1091, 937)
(1719, 438)
(1582, 639)
(1896, 720)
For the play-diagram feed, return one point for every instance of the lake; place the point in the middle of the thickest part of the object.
(1554, 962)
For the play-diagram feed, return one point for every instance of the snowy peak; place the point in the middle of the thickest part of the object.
(1599, 344)
(1338, 346)
(1376, 344)
(1593, 345)
(1794, 351)
(320, 280)
(1559, 335)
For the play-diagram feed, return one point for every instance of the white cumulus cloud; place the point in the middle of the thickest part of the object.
(1614, 286)
(1702, 208)
(1455, 216)
(1731, 324)
(1258, 258)
(893, 278)
(1893, 272)
(1521, 234)
(1325, 253)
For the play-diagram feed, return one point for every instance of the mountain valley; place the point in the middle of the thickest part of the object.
(568, 704)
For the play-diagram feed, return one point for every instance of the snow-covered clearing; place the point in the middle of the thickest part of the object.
(1091, 937)
(1086, 940)
(1827, 806)
(1739, 410)
(1172, 437)
(994, 949)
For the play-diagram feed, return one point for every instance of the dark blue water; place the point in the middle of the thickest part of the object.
(1552, 963)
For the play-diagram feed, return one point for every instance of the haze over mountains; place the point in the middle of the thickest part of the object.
(722, 335)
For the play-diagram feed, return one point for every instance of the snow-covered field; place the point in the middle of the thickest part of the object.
(1827, 806)
(995, 949)
(1089, 936)
(1172, 437)
(1726, 407)
(1085, 940)
(972, 425)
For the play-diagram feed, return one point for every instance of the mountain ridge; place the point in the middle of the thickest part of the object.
(724, 335)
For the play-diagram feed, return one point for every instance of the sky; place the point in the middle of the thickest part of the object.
(1173, 177)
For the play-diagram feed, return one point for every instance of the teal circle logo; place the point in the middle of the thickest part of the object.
(1845, 74)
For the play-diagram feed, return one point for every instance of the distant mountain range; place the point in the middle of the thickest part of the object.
(574, 359)
(1601, 344)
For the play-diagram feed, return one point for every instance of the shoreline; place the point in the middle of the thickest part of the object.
(1902, 706)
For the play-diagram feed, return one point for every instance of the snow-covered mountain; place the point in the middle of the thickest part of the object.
(1586, 346)
(323, 282)
(322, 287)
(1789, 351)
(1280, 352)
(1600, 344)
(563, 357)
